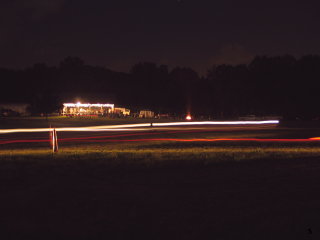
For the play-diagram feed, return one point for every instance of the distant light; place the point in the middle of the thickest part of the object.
(188, 117)
(78, 104)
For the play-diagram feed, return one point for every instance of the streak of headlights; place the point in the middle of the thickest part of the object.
(136, 127)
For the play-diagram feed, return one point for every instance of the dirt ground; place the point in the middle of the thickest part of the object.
(256, 199)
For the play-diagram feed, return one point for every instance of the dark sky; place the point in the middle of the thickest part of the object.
(119, 33)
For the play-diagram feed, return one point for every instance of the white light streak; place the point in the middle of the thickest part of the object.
(217, 123)
(135, 127)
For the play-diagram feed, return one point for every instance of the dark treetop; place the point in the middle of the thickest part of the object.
(118, 33)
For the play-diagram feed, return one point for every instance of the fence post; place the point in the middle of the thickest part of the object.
(53, 140)
(55, 148)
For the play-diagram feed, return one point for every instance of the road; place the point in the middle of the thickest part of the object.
(152, 131)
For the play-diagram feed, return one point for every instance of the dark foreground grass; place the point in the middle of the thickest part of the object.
(161, 190)
(92, 199)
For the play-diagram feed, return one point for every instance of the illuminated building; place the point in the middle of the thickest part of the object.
(122, 111)
(146, 114)
(84, 109)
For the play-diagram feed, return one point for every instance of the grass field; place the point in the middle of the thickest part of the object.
(158, 152)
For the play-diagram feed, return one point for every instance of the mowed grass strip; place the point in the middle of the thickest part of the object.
(161, 152)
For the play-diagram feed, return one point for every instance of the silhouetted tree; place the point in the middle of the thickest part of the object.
(279, 85)
(45, 103)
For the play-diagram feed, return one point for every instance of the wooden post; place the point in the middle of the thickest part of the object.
(54, 140)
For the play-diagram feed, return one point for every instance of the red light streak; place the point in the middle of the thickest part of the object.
(203, 140)
(24, 141)
(91, 139)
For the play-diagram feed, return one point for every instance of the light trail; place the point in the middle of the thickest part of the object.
(192, 130)
(203, 140)
(145, 127)
(315, 138)
(136, 127)
(217, 123)
(24, 141)
(93, 139)
(71, 129)
(40, 139)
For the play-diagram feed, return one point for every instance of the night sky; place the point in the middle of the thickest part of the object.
(119, 33)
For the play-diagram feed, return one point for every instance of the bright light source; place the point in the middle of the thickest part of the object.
(78, 104)
(188, 117)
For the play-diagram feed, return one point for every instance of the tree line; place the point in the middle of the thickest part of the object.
(281, 85)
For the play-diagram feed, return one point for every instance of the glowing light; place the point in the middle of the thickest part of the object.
(79, 104)
(134, 127)
(218, 123)
(82, 109)
(188, 117)
(24, 130)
